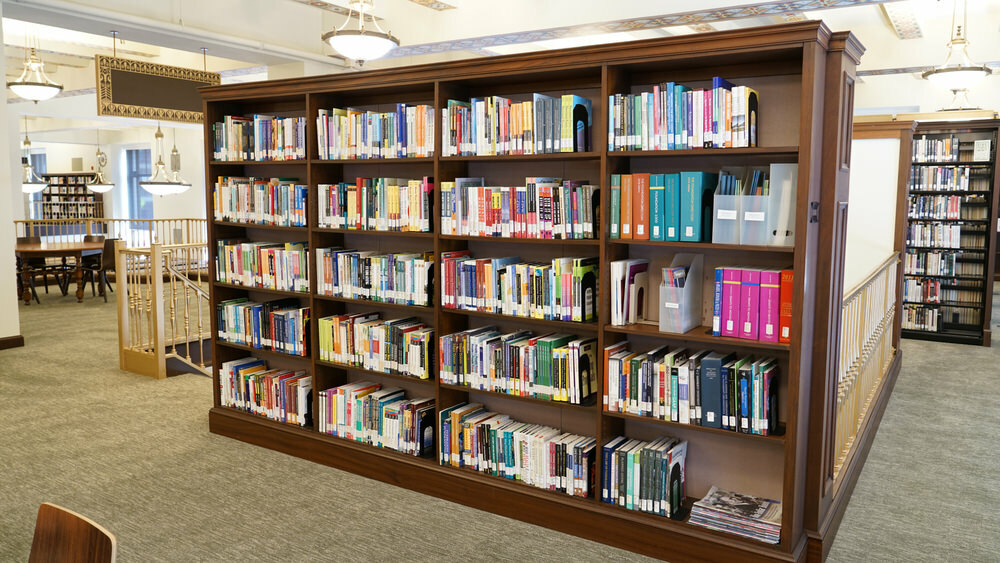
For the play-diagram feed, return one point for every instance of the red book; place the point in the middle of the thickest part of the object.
(785, 310)
(640, 206)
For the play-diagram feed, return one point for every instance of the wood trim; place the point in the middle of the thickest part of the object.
(15, 341)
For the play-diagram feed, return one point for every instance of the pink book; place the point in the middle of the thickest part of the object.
(770, 300)
(750, 304)
(731, 280)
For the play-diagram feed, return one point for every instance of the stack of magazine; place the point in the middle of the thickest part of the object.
(744, 515)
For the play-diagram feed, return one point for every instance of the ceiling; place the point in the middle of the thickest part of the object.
(901, 38)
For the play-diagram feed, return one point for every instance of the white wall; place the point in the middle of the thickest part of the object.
(871, 211)
(10, 191)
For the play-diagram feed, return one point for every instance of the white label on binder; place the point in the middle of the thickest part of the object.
(784, 332)
(769, 329)
(729, 326)
(670, 231)
(753, 216)
(709, 416)
(672, 305)
(727, 214)
(746, 327)
(689, 231)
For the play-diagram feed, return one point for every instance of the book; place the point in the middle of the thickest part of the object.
(657, 210)
(640, 206)
(749, 304)
(615, 217)
(740, 514)
(785, 306)
(627, 207)
(730, 302)
(770, 304)
(696, 205)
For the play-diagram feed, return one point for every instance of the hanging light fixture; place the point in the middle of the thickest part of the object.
(100, 184)
(362, 44)
(160, 182)
(31, 183)
(958, 73)
(33, 84)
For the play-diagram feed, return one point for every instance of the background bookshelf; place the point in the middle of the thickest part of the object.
(951, 243)
(67, 197)
(801, 70)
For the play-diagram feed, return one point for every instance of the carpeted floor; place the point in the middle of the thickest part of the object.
(135, 454)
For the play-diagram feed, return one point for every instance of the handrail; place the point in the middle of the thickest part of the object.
(848, 295)
(136, 232)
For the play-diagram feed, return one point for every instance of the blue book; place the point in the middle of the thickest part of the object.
(657, 212)
(669, 118)
(696, 205)
(651, 123)
(719, 85)
(671, 207)
(712, 388)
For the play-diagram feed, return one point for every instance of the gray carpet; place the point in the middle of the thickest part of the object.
(135, 454)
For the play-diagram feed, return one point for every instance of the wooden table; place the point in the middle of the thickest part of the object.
(75, 250)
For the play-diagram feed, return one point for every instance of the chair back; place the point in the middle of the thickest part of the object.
(108, 254)
(93, 238)
(29, 240)
(34, 263)
(64, 535)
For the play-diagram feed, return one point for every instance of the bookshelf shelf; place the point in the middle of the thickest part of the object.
(280, 292)
(801, 64)
(561, 325)
(515, 241)
(778, 439)
(363, 371)
(271, 353)
(370, 303)
(261, 226)
(684, 246)
(699, 334)
(959, 139)
(553, 404)
(524, 157)
(372, 233)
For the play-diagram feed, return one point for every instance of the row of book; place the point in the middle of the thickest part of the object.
(494, 125)
(935, 235)
(534, 454)
(379, 416)
(565, 289)
(660, 206)
(745, 515)
(407, 132)
(403, 278)
(753, 303)
(377, 204)
(283, 395)
(543, 208)
(942, 149)
(933, 291)
(922, 291)
(701, 388)
(270, 265)
(281, 326)
(261, 137)
(941, 178)
(675, 117)
(938, 263)
(263, 201)
(646, 476)
(402, 346)
(915, 317)
(551, 367)
(944, 207)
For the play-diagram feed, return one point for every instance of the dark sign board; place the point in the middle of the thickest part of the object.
(127, 88)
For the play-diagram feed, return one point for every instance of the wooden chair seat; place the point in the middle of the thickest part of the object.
(64, 536)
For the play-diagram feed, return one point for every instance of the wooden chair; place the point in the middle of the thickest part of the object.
(97, 266)
(38, 267)
(64, 536)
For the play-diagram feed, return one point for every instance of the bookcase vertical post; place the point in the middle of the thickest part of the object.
(802, 64)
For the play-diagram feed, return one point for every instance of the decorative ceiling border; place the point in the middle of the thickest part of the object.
(329, 7)
(434, 5)
(696, 17)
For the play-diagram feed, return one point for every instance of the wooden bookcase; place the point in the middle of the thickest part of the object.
(978, 256)
(67, 197)
(805, 76)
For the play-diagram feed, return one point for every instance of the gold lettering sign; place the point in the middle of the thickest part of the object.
(127, 88)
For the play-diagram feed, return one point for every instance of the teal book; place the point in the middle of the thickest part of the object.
(656, 210)
(671, 207)
(615, 219)
(696, 205)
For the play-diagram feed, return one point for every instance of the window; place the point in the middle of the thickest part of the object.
(38, 164)
(138, 166)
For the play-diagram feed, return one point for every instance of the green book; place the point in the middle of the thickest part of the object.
(616, 206)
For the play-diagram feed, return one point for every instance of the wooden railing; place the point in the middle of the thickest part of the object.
(135, 232)
(163, 307)
(866, 352)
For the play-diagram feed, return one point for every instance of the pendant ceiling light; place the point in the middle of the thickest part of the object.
(958, 73)
(163, 181)
(31, 183)
(100, 184)
(361, 44)
(33, 84)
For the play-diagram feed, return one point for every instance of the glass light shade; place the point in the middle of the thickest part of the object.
(361, 45)
(100, 184)
(957, 77)
(159, 183)
(33, 84)
(30, 182)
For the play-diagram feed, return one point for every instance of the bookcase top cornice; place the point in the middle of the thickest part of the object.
(775, 41)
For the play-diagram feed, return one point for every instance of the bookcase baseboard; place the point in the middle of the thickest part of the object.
(641, 533)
